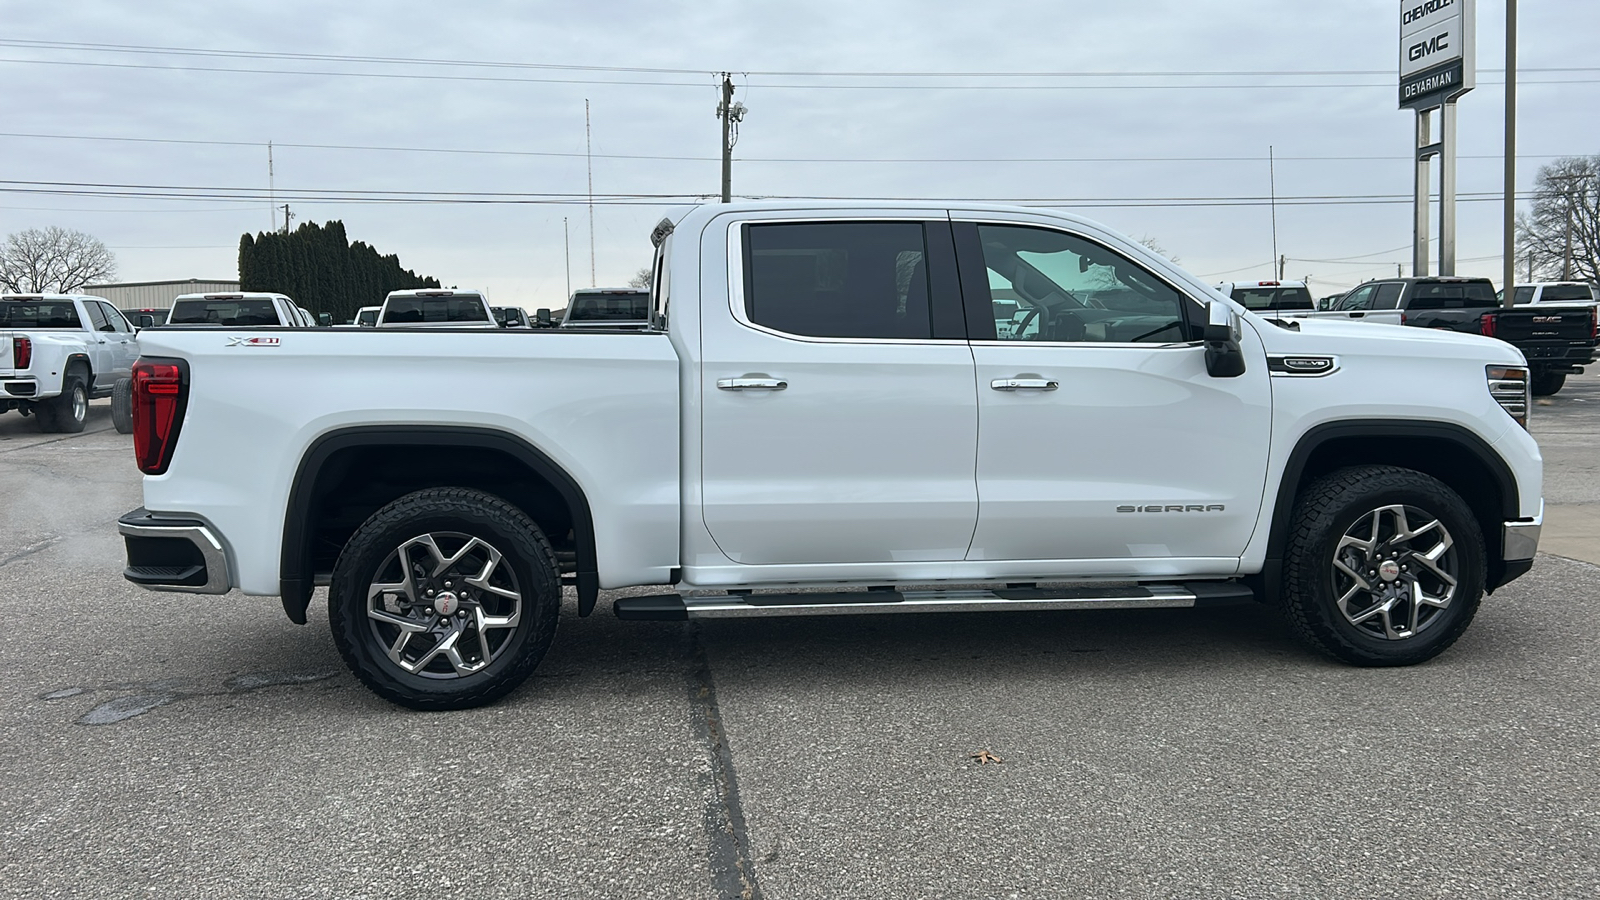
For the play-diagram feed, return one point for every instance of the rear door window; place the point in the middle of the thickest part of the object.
(838, 279)
(97, 316)
(1387, 296)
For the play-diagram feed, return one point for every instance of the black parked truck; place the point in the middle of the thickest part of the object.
(1557, 339)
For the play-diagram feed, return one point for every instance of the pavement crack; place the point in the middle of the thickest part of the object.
(733, 872)
(31, 549)
(140, 697)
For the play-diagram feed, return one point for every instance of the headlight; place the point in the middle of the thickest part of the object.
(1508, 385)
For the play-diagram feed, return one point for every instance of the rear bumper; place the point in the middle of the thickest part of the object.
(172, 553)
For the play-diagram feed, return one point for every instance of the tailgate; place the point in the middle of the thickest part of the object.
(1547, 333)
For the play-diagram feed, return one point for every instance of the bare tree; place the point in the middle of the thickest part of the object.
(53, 260)
(1154, 246)
(1559, 237)
(642, 278)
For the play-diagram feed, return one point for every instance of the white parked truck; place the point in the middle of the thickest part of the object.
(826, 399)
(434, 308)
(57, 351)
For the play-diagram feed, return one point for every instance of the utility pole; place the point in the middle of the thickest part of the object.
(731, 115)
(566, 245)
(588, 152)
(1508, 224)
(1566, 255)
(287, 217)
(272, 197)
(1272, 187)
(1282, 261)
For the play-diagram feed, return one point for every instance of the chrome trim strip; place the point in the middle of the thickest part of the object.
(733, 607)
(211, 552)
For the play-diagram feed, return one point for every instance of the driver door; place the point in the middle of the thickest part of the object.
(1104, 446)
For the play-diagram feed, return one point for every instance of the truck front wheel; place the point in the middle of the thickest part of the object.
(1384, 566)
(446, 598)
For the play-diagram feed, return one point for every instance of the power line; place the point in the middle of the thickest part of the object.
(780, 73)
(373, 148)
(417, 76)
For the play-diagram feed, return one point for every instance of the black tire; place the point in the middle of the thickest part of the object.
(1547, 383)
(122, 406)
(1352, 503)
(387, 545)
(68, 412)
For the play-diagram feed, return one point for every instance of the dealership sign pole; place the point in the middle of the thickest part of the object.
(1438, 63)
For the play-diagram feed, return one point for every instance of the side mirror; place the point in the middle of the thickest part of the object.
(1224, 356)
(543, 318)
(324, 319)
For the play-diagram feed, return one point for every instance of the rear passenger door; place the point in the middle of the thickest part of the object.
(839, 423)
(1385, 299)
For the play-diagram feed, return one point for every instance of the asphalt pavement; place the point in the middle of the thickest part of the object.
(168, 745)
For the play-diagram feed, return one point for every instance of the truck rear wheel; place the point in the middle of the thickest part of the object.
(1384, 566)
(1547, 383)
(446, 598)
(68, 412)
(122, 406)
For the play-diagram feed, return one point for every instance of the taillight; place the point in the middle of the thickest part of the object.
(160, 393)
(1486, 324)
(21, 352)
(1594, 322)
(1509, 387)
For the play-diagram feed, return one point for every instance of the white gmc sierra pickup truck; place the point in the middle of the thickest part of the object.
(57, 351)
(841, 409)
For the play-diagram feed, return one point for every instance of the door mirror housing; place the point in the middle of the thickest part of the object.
(324, 319)
(543, 318)
(1224, 356)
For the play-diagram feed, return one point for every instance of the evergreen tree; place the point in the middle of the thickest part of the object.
(320, 269)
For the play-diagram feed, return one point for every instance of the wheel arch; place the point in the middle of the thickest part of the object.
(1451, 453)
(367, 458)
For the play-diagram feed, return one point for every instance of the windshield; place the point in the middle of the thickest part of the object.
(413, 310)
(620, 306)
(256, 311)
(39, 314)
(1452, 295)
(1257, 298)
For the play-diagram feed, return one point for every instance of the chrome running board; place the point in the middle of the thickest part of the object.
(677, 607)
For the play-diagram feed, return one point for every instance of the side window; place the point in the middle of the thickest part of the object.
(1521, 295)
(1387, 297)
(838, 279)
(97, 316)
(1358, 299)
(119, 322)
(1050, 286)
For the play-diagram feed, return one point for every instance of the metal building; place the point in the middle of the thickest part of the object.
(157, 294)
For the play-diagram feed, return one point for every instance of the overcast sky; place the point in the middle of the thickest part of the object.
(90, 98)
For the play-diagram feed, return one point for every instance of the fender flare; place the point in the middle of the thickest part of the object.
(295, 578)
(1317, 436)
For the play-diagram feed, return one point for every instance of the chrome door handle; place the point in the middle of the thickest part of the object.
(751, 384)
(1023, 384)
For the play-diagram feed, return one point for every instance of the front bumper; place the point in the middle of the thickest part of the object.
(169, 553)
(1519, 541)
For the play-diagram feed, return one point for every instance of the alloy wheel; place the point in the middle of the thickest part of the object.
(1395, 572)
(444, 605)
